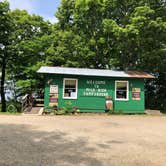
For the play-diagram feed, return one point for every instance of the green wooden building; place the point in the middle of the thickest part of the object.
(89, 89)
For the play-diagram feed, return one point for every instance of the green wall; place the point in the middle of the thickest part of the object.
(97, 103)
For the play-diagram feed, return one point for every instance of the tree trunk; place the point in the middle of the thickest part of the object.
(3, 100)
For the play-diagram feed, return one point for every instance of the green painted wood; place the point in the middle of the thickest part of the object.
(92, 103)
(132, 106)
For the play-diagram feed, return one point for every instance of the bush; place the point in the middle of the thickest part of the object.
(68, 109)
(110, 111)
(13, 106)
(115, 112)
(50, 109)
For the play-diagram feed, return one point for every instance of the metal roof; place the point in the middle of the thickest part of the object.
(93, 72)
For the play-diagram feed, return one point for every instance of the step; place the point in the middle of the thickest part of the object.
(153, 112)
(34, 110)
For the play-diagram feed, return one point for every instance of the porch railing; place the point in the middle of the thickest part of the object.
(28, 102)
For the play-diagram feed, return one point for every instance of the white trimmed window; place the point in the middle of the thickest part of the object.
(70, 87)
(121, 90)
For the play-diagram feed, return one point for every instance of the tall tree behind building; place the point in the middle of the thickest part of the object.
(126, 35)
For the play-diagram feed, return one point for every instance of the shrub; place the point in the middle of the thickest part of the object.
(49, 109)
(68, 109)
(13, 106)
(115, 112)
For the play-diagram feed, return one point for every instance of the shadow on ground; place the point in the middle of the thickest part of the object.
(20, 145)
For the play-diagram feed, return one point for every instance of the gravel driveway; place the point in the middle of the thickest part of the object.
(89, 140)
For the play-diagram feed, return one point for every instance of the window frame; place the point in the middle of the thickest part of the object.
(64, 88)
(122, 99)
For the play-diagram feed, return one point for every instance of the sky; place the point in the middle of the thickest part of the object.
(44, 8)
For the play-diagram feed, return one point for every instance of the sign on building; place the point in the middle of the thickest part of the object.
(53, 100)
(136, 93)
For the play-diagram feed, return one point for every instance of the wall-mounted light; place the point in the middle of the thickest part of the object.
(49, 81)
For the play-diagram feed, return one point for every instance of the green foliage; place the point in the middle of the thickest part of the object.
(49, 109)
(125, 35)
(113, 112)
(31, 38)
(24, 38)
(110, 111)
(68, 109)
(6, 28)
(13, 107)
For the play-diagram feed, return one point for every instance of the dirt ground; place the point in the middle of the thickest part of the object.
(134, 140)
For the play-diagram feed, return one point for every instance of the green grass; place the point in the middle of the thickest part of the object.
(9, 113)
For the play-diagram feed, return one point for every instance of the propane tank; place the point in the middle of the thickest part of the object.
(109, 103)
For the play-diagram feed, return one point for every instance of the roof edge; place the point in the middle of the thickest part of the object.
(93, 72)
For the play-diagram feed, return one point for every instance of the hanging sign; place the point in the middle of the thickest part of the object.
(53, 88)
(53, 99)
(136, 93)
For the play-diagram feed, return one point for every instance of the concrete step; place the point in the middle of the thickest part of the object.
(153, 112)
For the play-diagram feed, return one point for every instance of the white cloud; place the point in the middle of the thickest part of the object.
(52, 19)
(23, 5)
(30, 6)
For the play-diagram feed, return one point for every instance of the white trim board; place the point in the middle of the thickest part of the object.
(121, 99)
(64, 88)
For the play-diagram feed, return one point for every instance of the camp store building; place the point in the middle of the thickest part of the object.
(89, 89)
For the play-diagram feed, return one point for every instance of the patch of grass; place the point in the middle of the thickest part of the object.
(117, 112)
(9, 113)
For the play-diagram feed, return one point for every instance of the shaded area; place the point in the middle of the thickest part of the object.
(22, 146)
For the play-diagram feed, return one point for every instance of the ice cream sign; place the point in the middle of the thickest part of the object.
(95, 88)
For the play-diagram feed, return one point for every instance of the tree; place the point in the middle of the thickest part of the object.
(140, 45)
(31, 36)
(84, 20)
(5, 41)
(114, 34)
(126, 35)
(68, 49)
(24, 43)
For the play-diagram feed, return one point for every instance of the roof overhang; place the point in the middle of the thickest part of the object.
(93, 72)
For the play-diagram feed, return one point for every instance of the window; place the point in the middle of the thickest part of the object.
(121, 90)
(70, 88)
